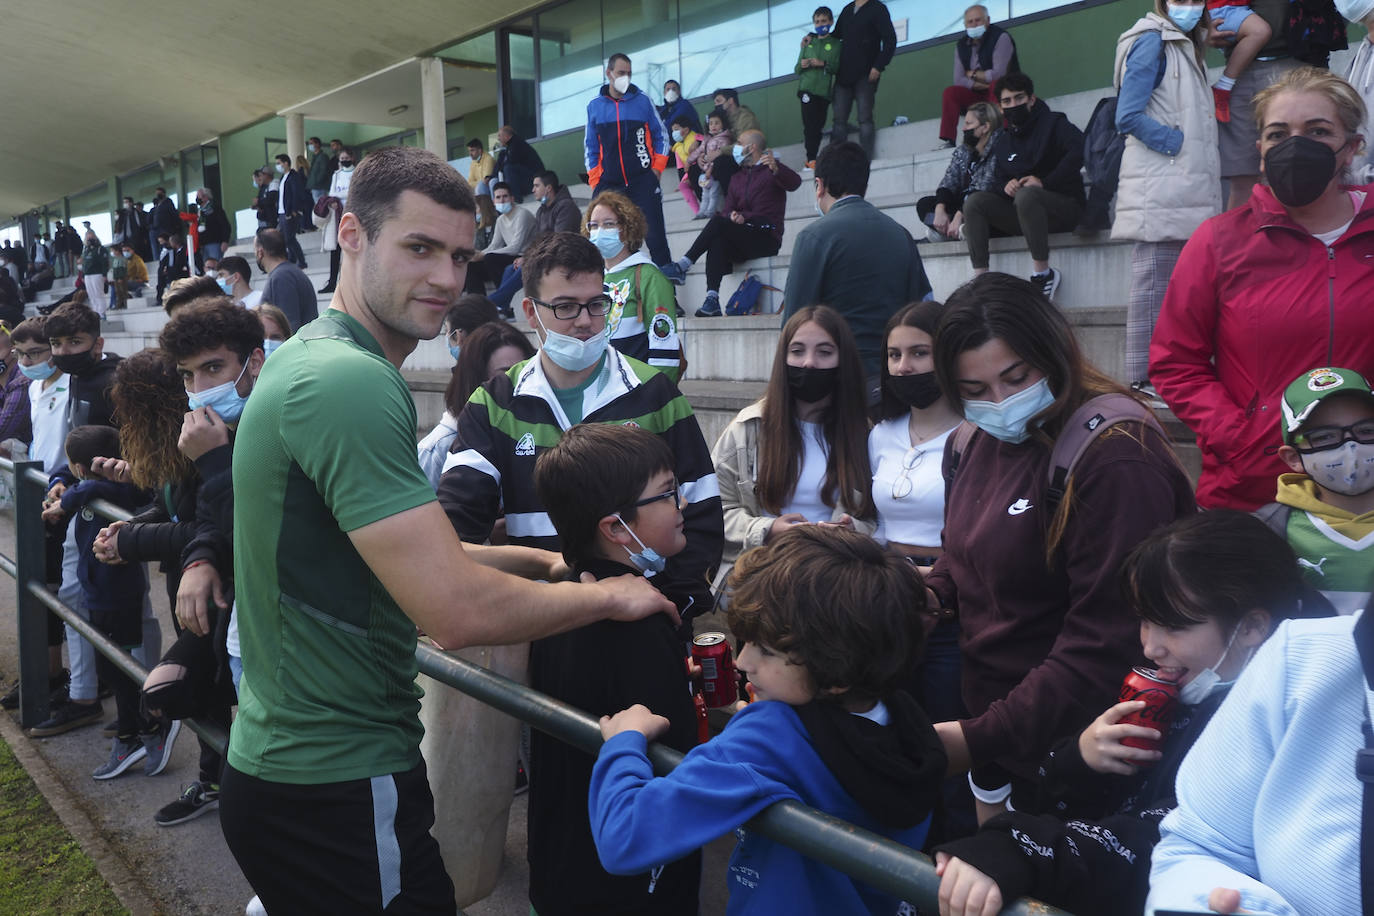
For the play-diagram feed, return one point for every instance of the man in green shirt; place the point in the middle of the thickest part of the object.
(341, 551)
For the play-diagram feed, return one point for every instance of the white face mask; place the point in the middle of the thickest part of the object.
(570, 353)
(977, 32)
(621, 84)
(1347, 469)
(1206, 680)
(670, 96)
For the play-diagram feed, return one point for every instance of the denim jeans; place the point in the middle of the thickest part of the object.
(863, 92)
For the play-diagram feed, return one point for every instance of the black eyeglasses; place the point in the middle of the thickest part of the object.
(672, 494)
(1326, 437)
(566, 311)
(35, 353)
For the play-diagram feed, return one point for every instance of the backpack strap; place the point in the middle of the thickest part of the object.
(1085, 424)
(958, 443)
(1275, 515)
(1364, 761)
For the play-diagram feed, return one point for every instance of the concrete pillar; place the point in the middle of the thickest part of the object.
(295, 136)
(432, 106)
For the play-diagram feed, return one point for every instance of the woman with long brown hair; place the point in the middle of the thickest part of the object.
(800, 455)
(1045, 637)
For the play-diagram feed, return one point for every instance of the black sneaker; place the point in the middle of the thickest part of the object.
(66, 718)
(1047, 283)
(196, 799)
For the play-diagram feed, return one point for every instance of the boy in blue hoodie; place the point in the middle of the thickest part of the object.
(113, 595)
(829, 624)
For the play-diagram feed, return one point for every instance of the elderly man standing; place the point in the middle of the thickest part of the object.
(982, 56)
(755, 204)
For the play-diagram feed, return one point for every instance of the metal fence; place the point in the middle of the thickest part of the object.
(870, 858)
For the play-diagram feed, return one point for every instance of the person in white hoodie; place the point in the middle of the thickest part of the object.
(1361, 76)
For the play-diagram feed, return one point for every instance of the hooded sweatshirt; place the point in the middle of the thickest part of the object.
(643, 319)
(1330, 544)
(883, 778)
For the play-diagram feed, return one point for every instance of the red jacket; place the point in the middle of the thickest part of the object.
(1255, 301)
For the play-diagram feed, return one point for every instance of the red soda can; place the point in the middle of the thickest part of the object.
(1161, 699)
(712, 652)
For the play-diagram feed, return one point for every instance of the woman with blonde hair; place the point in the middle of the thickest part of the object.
(1168, 180)
(972, 167)
(1271, 289)
(642, 322)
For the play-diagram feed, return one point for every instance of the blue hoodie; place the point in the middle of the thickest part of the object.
(766, 754)
(624, 138)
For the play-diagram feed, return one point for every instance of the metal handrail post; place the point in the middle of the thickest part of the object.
(30, 565)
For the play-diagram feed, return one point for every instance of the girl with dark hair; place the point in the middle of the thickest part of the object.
(1208, 590)
(1044, 638)
(799, 456)
(487, 351)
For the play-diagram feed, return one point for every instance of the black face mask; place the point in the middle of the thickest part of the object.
(810, 385)
(1299, 169)
(75, 363)
(260, 267)
(919, 391)
(1017, 115)
(970, 138)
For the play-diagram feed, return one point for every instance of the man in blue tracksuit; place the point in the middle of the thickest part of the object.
(627, 149)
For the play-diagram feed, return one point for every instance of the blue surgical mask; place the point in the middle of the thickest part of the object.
(739, 153)
(224, 400)
(569, 353)
(1009, 419)
(503, 207)
(225, 285)
(1185, 17)
(647, 560)
(453, 350)
(39, 372)
(607, 241)
(270, 346)
(677, 136)
(977, 32)
(822, 30)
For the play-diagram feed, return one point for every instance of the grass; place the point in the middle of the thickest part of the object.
(42, 869)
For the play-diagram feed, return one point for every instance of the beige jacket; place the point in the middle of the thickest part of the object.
(1163, 198)
(736, 459)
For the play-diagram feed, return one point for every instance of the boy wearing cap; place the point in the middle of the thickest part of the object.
(1325, 508)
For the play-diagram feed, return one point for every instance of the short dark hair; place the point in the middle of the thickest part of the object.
(384, 173)
(189, 290)
(596, 470)
(1216, 565)
(475, 141)
(499, 186)
(610, 61)
(1016, 82)
(566, 252)
(837, 604)
(336, 140)
(844, 169)
(70, 319)
(722, 114)
(681, 120)
(86, 443)
(283, 157)
(316, 140)
(924, 316)
(271, 241)
(30, 329)
(233, 264)
(471, 311)
(823, 11)
(471, 369)
(671, 82)
(209, 324)
(731, 94)
(549, 177)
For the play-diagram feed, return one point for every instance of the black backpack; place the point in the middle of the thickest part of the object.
(1102, 149)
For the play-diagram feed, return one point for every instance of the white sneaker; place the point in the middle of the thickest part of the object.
(255, 908)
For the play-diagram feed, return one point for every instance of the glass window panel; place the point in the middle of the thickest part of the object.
(724, 44)
(93, 205)
(1026, 7)
(646, 30)
(788, 21)
(570, 63)
(922, 20)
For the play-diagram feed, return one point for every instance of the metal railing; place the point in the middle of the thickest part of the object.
(868, 857)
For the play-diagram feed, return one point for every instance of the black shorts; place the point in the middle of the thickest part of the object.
(362, 846)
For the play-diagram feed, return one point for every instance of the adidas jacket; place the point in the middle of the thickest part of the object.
(624, 138)
(515, 417)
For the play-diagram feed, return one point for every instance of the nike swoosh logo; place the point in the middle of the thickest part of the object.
(1021, 505)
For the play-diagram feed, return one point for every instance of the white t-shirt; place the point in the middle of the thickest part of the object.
(252, 300)
(806, 498)
(48, 412)
(917, 516)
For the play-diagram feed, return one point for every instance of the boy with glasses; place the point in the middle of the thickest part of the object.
(612, 497)
(576, 377)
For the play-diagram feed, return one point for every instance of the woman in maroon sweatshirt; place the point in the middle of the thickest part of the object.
(1045, 634)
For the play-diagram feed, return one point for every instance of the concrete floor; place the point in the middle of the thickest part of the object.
(187, 870)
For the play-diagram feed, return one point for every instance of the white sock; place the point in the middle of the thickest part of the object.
(1225, 83)
(1040, 273)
